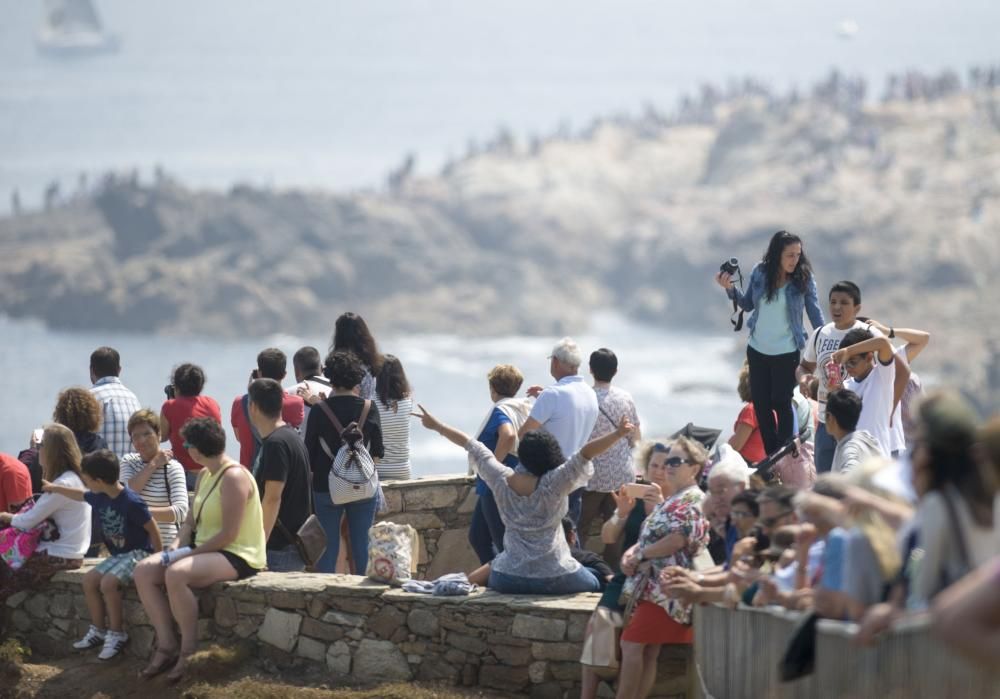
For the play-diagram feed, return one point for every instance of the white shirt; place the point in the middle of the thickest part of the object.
(821, 345)
(316, 384)
(876, 391)
(72, 517)
(567, 410)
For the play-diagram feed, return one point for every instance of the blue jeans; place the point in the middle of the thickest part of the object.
(582, 580)
(486, 529)
(360, 516)
(575, 506)
(826, 445)
(286, 560)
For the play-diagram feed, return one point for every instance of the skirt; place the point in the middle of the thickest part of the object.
(651, 625)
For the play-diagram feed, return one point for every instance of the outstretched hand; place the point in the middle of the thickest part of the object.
(426, 419)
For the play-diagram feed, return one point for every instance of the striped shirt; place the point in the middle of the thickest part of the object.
(395, 465)
(118, 404)
(166, 487)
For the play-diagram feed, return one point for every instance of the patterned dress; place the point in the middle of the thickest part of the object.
(680, 513)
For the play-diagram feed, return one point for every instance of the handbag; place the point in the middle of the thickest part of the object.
(601, 649)
(310, 540)
(18, 545)
(632, 599)
(799, 658)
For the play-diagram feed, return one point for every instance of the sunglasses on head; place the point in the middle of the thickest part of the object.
(660, 447)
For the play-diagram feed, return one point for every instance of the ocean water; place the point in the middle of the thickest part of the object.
(674, 377)
(319, 94)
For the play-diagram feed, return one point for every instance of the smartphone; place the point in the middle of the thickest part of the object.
(636, 490)
(36, 436)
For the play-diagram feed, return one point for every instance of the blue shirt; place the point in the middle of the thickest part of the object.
(797, 303)
(123, 520)
(489, 438)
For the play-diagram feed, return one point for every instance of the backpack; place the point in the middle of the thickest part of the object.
(352, 474)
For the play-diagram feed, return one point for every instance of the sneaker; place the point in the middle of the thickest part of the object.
(113, 644)
(94, 638)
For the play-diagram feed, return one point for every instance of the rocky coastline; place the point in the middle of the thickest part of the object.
(635, 214)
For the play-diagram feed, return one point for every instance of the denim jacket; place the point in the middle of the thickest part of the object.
(795, 298)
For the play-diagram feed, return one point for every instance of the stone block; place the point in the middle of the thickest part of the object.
(399, 635)
(317, 607)
(225, 613)
(512, 655)
(310, 649)
(318, 630)
(343, 619)
(61, 605)
(338, 659)
(577, 627)
(429, 498)
(547, 690)
(386, 621)
(537, 671)
(418, 520)
(65, 626)
(454, 656)
(141, 639)
(22, 622)
(605, 690)
(469, 503)
(247, 627)
(556, 651)
(508, 679)
(352, 605)
(422, 622)
(280, 629)
(565, 671)
(394, 499)
(495, 622)
(454, 554)
(251, 608)
(355, 634)
(538, 628)
(469, 644)
(436, 670)
(380, 661)
(287, 600)
(17, 599)
(470, 675)
(37, 606)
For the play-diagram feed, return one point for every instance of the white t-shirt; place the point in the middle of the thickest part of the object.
(316, 384)
(876, 391)
(567, 410)
(898, 443)
(72, 517)
(824, 341)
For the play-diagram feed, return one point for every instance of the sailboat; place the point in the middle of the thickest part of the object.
(72, 28)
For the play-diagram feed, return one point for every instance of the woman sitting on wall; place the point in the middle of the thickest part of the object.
(536, 558)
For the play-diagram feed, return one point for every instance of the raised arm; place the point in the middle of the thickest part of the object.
(916, 340)
(880, 345)
(596, 447)
(452, 434)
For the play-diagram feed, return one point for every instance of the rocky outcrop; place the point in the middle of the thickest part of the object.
(900, 196)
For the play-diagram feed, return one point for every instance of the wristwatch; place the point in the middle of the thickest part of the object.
(892, 333)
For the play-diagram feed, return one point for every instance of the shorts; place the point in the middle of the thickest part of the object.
(242, 568)
(651, 625)
(121, 565)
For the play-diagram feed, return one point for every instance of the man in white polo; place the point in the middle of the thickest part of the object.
(567, 409)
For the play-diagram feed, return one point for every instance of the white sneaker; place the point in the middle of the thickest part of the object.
(94, 638)
(113, 644)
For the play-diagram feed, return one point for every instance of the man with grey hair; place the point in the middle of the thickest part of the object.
(567, 409)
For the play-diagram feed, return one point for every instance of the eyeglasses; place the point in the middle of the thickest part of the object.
(675, 462)
(771, 521)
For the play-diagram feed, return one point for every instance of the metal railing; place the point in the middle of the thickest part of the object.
(737, 654)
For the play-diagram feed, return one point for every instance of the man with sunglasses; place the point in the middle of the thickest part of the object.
(871, 366)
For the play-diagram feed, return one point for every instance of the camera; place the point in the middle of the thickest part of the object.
(169, 390)
(730, 266)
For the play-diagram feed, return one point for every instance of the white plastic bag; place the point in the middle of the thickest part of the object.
(392, 552)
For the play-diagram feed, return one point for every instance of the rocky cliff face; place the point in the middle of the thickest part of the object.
(902, 197)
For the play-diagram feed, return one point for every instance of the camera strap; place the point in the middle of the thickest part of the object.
(737, 318)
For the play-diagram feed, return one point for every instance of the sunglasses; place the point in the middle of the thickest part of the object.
(660, 447)
(771, 521)
(675, 462)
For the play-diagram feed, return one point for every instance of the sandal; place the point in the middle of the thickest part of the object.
(176, 675)
(169, 658)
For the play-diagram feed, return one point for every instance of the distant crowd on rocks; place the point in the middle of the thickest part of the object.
(846, 490)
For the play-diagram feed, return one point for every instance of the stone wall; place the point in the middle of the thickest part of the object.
(358, 631)
(440, 509)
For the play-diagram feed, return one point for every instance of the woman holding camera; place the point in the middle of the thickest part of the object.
(184, 402)
(781, 288)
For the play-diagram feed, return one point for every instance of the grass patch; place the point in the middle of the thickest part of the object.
(12, 655)
(256, 689)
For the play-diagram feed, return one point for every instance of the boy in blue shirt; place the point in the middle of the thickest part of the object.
(130, 535)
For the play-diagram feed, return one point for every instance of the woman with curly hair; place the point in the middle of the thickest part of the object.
(351, 334)
(536, 559)
(781, 288)
(77, 409)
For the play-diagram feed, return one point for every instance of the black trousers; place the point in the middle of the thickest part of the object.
(772, 381)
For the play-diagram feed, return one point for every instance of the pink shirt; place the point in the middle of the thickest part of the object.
(178, 411)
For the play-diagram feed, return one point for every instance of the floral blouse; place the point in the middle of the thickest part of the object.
(680, 513)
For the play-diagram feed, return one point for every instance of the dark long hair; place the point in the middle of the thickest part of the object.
(351, 333)
(391, 385)
(772, 264)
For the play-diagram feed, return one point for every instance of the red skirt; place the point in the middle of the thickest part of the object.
(650, 624)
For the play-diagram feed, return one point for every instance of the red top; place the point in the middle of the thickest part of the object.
(292, 412)
(178, 411)
(753, 450)
(15, 482)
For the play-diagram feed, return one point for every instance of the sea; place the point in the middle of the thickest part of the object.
(327, 95)
(675, 377)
